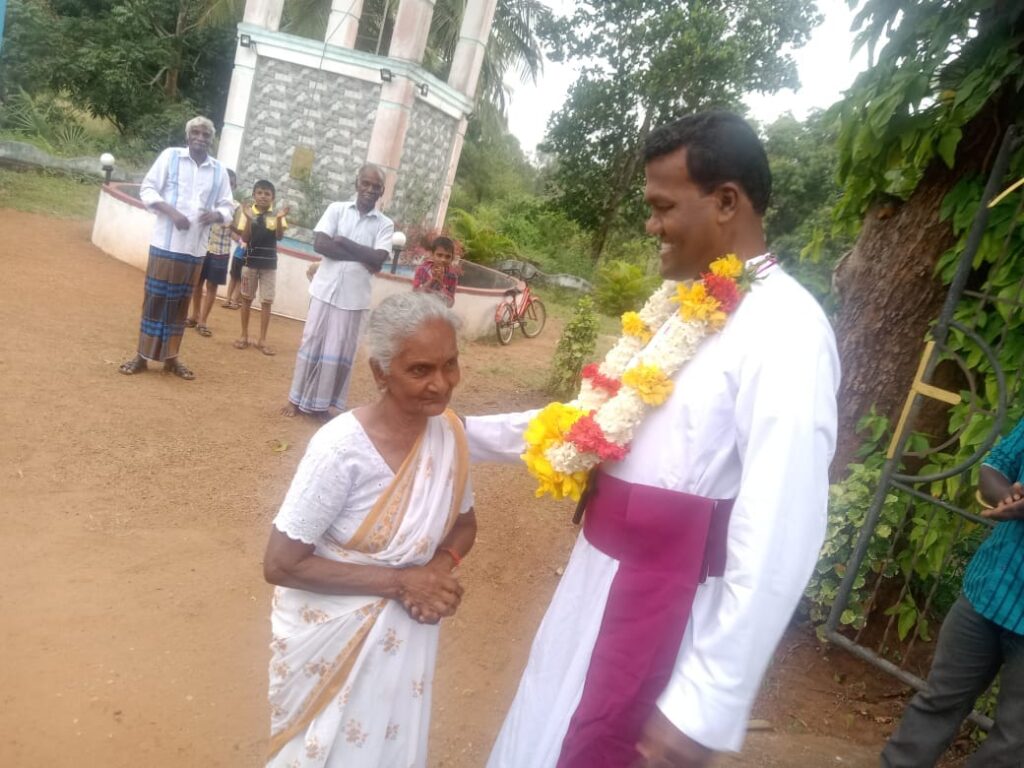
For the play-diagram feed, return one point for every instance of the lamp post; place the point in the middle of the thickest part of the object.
(397, 244)
(107, 164)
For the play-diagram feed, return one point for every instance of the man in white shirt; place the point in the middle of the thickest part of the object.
(354, 239)
(188, 191)
(655, 643)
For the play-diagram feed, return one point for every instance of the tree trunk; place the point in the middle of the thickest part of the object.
(177, 42)
(622, 186)
(889, 294)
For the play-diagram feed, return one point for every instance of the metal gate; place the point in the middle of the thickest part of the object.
(923, 525)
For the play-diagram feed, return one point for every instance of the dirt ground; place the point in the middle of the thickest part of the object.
(135, 511)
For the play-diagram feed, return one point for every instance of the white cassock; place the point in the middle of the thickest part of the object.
(752, 417)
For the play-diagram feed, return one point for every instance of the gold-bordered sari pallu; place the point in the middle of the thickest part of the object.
(350, 676)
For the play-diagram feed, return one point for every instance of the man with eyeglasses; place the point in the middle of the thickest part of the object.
(354, 239)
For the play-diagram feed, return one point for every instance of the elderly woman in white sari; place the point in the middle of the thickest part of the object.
(378, 515)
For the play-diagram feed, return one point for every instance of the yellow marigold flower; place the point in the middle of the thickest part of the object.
(727, 266)
(632, 325)
(546, 429)
(551, 482)
(550, 425)
(650, 382)
(695, 305)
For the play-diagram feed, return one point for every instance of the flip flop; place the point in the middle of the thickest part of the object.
(231, 305)
(180, 370)
(269, 351)
(242, 344)
(203, 330)
(190, 323)
(133, 366)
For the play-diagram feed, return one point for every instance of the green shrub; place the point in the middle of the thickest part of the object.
(164, 127)
(543, 235)
(622, 287)
(315, 199)
(575, 348)
(481, 243)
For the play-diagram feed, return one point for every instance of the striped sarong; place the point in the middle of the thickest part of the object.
(323, 366)
(169, 279)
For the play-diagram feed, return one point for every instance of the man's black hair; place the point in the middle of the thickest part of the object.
(264, 184)
(720, 147)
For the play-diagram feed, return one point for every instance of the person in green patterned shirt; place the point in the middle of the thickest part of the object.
(982, 636)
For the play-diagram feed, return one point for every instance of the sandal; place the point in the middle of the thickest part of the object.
(241, 344)
(231, 305)
(203, 330)
(269, 351)
(179, 369)
(133, 366)
(190, 322)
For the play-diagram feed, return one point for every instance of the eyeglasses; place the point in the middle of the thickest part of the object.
(369, 186)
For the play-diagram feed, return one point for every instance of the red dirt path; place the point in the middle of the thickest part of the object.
(135, 510)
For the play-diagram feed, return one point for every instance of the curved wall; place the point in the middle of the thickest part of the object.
(122, 229)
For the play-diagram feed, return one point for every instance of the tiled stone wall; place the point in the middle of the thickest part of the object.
(294, 105)
(428, 146)
(332, 114)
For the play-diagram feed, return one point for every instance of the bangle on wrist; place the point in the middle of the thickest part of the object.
(454, 555)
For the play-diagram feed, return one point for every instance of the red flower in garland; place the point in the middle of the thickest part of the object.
(724, 290)
(588, 437)
(599, 380)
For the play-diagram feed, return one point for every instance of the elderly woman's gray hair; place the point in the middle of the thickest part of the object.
(397, 318)
(200, 120)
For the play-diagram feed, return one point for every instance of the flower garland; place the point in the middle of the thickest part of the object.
(564, 441)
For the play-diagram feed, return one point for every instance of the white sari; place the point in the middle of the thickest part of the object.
(350, 676)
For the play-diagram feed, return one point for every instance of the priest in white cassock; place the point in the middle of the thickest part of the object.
(698, 543)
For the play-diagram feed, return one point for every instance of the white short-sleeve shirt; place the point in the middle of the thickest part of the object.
(346, 284)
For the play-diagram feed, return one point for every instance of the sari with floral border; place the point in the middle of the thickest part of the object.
(350, 675)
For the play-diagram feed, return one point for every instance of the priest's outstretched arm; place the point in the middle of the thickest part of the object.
(498, 437)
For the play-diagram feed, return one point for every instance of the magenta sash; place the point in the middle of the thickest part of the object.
(666, 543)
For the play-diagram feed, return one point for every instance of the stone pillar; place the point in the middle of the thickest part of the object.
(259, 13)
(449, 181)
(412, 25)
(464, 76)
(469, 53)
(387, 140)
(264, 13)
(237, 107)
(343, 22)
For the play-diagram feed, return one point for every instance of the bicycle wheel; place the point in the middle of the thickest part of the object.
(534, 317)
(506, 323)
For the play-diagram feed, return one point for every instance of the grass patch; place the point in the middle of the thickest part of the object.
(50, 193)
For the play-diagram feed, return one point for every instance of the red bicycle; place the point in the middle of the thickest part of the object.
(527, 313)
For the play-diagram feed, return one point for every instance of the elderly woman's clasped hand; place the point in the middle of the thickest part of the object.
(430, 592)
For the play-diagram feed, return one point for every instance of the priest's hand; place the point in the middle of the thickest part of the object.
(662, 745)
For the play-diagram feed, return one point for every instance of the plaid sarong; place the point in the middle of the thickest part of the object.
(169, 280)
(323, 366)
